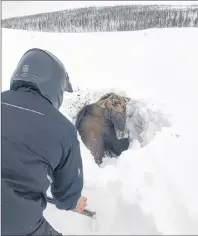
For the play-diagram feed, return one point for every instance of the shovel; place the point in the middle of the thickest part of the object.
(85, 212)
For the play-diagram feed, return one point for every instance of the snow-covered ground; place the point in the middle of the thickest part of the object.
(149, 190)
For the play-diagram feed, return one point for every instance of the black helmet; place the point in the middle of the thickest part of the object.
(44, 71)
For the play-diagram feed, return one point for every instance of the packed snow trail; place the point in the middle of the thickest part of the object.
(150, 190)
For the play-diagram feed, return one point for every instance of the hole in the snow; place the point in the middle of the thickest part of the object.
(142, 123)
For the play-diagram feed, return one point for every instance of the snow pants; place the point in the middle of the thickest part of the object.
(45, 229)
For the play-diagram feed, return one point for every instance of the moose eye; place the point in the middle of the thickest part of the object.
(116, 103)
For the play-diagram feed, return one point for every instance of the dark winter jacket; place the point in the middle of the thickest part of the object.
(37, 142)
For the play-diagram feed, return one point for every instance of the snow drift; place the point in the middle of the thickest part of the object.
(148, 190)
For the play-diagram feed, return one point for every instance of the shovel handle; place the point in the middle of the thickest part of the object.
(85, 212)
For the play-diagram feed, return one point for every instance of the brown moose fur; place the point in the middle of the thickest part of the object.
(97, 122)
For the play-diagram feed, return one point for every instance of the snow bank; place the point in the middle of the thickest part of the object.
(149, 190)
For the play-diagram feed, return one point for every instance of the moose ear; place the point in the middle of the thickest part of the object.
(102, 103)
(126, 99)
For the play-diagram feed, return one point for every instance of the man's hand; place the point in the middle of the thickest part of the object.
(81, 204)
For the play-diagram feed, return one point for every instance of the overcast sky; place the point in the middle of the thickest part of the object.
(22, 8)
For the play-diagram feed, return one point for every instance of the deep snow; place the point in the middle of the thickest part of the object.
(149, 190)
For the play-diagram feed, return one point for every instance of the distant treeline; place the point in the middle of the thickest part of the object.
(114, 18)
